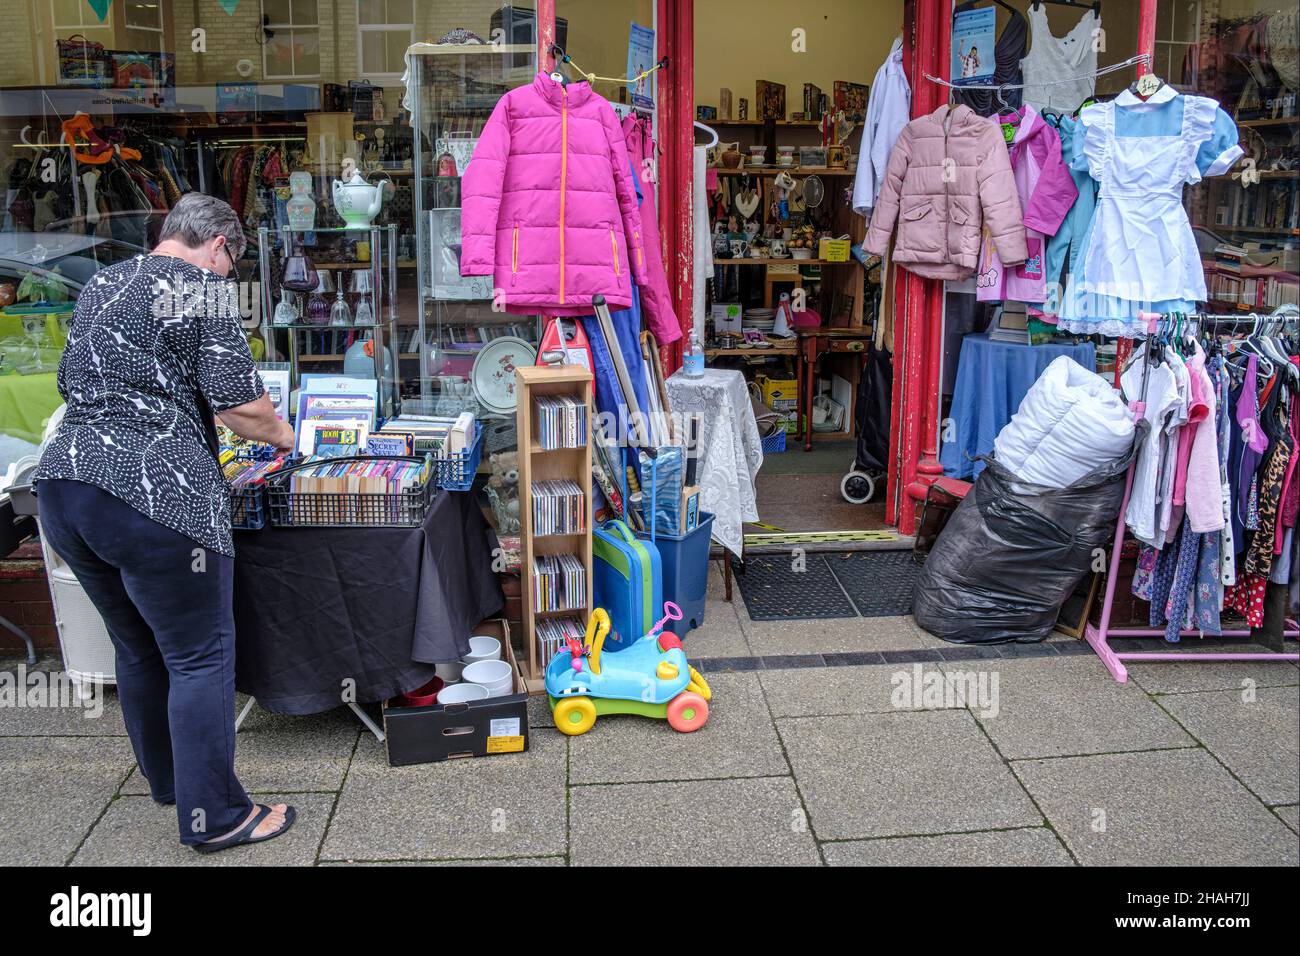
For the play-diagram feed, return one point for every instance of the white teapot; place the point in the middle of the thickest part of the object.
(356, 201)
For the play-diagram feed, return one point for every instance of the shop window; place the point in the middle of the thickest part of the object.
(1176, 24)
(385, 28)
(72, 17)
(291, 47)
(143, 21)
(1247, 219)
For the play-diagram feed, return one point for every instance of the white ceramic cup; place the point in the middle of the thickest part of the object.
(482, 648)
(462, 693)
(449, 671)
(488, 673)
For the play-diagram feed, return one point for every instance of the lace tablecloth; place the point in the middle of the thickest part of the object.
(730, 450)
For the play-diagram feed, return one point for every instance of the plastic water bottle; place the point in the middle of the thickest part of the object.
(693, 356)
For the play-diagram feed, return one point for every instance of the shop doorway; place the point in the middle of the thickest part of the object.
(794, 304)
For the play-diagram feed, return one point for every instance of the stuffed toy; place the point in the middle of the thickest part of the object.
(504, 484)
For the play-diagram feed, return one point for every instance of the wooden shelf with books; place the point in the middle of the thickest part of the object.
(543, 459)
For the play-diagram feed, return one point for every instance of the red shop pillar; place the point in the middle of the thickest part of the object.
(918, 302)
(675, 104)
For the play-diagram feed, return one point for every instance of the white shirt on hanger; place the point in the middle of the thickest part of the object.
(1161, 404)
(889, 107)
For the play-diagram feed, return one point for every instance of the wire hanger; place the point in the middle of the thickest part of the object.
(557, 51)
(1095, 6)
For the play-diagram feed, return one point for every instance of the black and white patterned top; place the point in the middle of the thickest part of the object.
(153, 341)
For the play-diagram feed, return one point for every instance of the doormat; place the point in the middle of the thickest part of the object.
(816, 586)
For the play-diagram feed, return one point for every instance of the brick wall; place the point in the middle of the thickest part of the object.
(25, 599)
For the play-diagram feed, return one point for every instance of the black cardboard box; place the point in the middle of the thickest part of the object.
(480, 728)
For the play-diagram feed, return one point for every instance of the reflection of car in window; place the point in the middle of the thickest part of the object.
(54, 266)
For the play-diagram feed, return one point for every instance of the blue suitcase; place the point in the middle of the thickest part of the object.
(627, 581)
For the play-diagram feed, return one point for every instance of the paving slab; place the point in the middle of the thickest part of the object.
(719, 636)
(1034, 846)
(1055, 706)
(823, 691)
(138, 832)
(1164, 808)
(837, 635)
(288, 754)
(1256, 734)
(50, 705)
(506, 805)
(902, 774)
(1290, 815)
(738, 741)
(755, 822)
(1173, 677)
(506, 861)
(52, 789)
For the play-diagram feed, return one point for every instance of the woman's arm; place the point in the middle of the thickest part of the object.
(256, 421)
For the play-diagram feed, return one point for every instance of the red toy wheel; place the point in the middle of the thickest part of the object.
(687, 712)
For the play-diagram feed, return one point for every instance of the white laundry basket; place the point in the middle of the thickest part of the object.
(88, 654)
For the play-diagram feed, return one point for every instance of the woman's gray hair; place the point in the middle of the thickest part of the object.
(198, 218)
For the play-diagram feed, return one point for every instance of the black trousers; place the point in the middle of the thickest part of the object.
(168, 606)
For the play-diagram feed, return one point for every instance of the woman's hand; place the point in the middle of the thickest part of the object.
(285, 442)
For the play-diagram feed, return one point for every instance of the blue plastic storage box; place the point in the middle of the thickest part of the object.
(685, 561)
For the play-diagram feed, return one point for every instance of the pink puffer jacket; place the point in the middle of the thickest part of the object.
(548, 203)
(948, 176)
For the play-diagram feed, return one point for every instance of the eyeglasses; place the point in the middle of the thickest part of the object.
(234, 266)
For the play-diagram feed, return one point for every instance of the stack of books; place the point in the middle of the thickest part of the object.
(336, 492)
(561, 422)
(245, 473)
(559, 507)
(559, 583)
(424, 435)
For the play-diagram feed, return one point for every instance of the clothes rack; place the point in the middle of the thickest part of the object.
(1098, 636)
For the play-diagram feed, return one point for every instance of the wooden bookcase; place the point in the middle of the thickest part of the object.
(537, 464)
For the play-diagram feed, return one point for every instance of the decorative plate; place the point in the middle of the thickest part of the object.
(493, 375)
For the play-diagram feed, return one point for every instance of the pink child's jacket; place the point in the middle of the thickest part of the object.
(948, 179)
(656, 297)
(548, 205)
(1046, 192)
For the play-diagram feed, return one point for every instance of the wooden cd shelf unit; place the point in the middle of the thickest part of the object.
(539, 464)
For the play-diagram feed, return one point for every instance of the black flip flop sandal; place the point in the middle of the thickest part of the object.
(244, 835)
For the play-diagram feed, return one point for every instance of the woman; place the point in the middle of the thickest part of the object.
(132, 497)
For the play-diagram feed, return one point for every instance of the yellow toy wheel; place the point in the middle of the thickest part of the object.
(574, 715)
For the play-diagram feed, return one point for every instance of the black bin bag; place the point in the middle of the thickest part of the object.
(1013, 551)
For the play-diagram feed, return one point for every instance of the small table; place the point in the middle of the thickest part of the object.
(992, 379)
(331, 616)
(731, 451)
(813, 344)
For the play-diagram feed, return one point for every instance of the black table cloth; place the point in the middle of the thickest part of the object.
(323, 613)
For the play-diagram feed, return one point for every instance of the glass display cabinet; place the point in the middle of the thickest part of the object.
(467, 351)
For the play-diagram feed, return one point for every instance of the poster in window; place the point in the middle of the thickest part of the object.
(974, 33)
(640, 57)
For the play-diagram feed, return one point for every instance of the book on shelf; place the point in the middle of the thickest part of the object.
(553, 635)
(559, 583)
(559, 507)
(561, 422)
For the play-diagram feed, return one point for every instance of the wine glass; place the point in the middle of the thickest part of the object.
(340, 314)
(318, 307)
(34, 330)
(361, 284)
